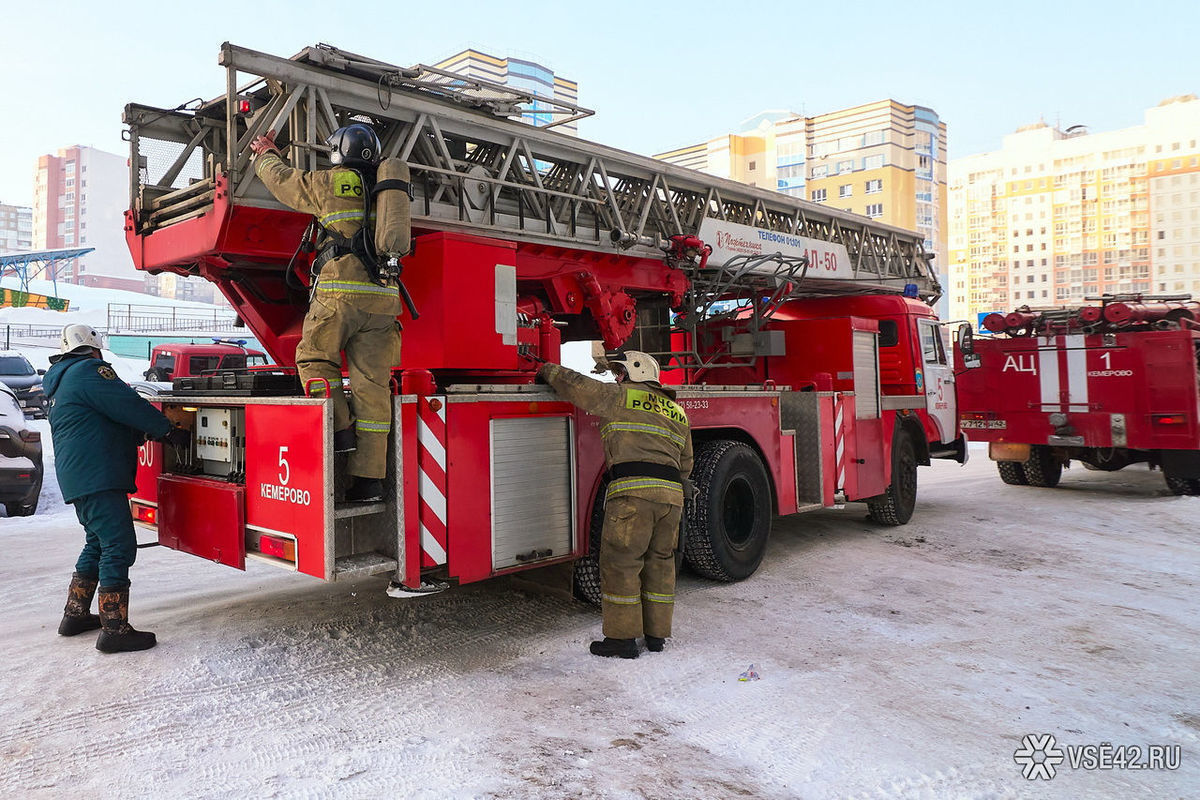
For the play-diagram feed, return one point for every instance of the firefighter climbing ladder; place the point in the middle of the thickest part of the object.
(475, 168)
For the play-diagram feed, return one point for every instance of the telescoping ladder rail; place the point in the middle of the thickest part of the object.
(475, 168)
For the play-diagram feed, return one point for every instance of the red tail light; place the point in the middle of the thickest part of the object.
(145, 514)
(278, 547)
(1170, 419)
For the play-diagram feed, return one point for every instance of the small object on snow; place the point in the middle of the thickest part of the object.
(427, 588)
(749, 675)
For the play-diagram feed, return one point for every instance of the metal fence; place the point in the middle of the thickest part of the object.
(19, 331)
(124, 317)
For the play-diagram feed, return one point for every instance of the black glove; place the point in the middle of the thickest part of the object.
(177, 437)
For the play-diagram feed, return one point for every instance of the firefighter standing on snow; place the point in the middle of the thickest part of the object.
(351, 310)
(648, 449)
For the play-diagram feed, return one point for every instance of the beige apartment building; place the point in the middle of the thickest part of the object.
(885, 160)
(1056, 216)
(522, 75)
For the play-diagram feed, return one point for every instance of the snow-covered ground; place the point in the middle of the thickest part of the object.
(895, 663)
(89, 304)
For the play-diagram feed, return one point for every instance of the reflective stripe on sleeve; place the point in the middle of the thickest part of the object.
(341, 216)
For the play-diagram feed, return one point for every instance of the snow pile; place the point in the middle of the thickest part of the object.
(89, 304)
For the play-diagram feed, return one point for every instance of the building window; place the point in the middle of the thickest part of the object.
(874, 162)
(874, 187)
(845, 166)
(753, 165)
(820, 172)
(844, 190)
(819, 195)
(875, 209)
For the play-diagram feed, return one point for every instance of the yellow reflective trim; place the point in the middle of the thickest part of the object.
(655, 597)
(627, 484)
(622, 599)
(341, 216)
(637, 427)
(373, 425)
(355, 287)
(643, 400)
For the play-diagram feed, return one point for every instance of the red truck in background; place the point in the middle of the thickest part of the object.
(1108, 385)
(184, 360)
(800, 338)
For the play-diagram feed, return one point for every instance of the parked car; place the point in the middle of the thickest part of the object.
(20, 458)
(26, 382)
(175, 360)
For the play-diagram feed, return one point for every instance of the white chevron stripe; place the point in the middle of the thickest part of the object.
(433, 497)
(430, 442)
(431, 547)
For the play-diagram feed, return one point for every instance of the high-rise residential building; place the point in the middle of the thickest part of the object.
(885, 159)
(522, 75)
(80, 197)
(1056, 216)
(16, 228)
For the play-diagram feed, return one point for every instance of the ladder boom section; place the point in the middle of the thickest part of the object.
(476, 168)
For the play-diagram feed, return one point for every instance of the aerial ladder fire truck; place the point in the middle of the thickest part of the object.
(1109, 384)
(800, 338)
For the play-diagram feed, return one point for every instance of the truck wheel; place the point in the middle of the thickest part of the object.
(1178, 486)
(1012, 473)
(730, 522)
(587, 568)
(1042, 468)
(895, 506)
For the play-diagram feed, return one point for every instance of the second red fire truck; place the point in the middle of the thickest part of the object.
(1108, 385)
(800, 338)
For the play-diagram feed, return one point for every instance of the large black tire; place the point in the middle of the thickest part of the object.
(1043, 468)
(587, 568)
(730, 522)
(1189, 487)
(895, 506)
(157, 375)
(1012, 473)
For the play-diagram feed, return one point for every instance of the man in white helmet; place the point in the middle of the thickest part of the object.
(648, 450)
(97, 422)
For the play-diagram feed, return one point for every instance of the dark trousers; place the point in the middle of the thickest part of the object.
(111, 546)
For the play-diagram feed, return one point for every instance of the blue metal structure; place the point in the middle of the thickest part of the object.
(27, 266)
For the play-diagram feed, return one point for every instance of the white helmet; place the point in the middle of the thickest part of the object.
(77, 338)
(639, 367)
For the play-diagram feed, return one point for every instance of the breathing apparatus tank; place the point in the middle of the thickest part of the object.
(393, 210)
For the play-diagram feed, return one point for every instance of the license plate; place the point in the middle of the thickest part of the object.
(985, 424)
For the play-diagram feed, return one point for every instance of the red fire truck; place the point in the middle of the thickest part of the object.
(1108, 385)
(800, 337)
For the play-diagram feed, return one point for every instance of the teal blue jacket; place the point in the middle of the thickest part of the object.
(97, 422)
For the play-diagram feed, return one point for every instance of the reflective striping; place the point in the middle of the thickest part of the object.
(839, 439)
(655, 597)
(637, 427)
(1077, 377)
(629, 484)
(432, 546)
(433, 497)
(1048, 372)
(622, 599)
(429, 441)
(341, 216)
(356, 287)
(373, 425)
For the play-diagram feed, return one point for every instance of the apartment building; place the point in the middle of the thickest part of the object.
(522, 75)
(885, 160)
(1056, 216)
(16, 228)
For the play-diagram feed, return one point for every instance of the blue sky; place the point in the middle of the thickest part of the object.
(659, 74)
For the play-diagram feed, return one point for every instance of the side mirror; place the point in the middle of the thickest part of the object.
(966, 346)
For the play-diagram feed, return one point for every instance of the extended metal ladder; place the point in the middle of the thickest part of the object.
(475, 169)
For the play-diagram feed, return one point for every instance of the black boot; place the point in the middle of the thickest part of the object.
(345, 441)
(655, 643)
(620, 648)
(77, 616)
(365, 490)
(116, 634)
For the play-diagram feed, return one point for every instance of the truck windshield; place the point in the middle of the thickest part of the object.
(15, 365)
